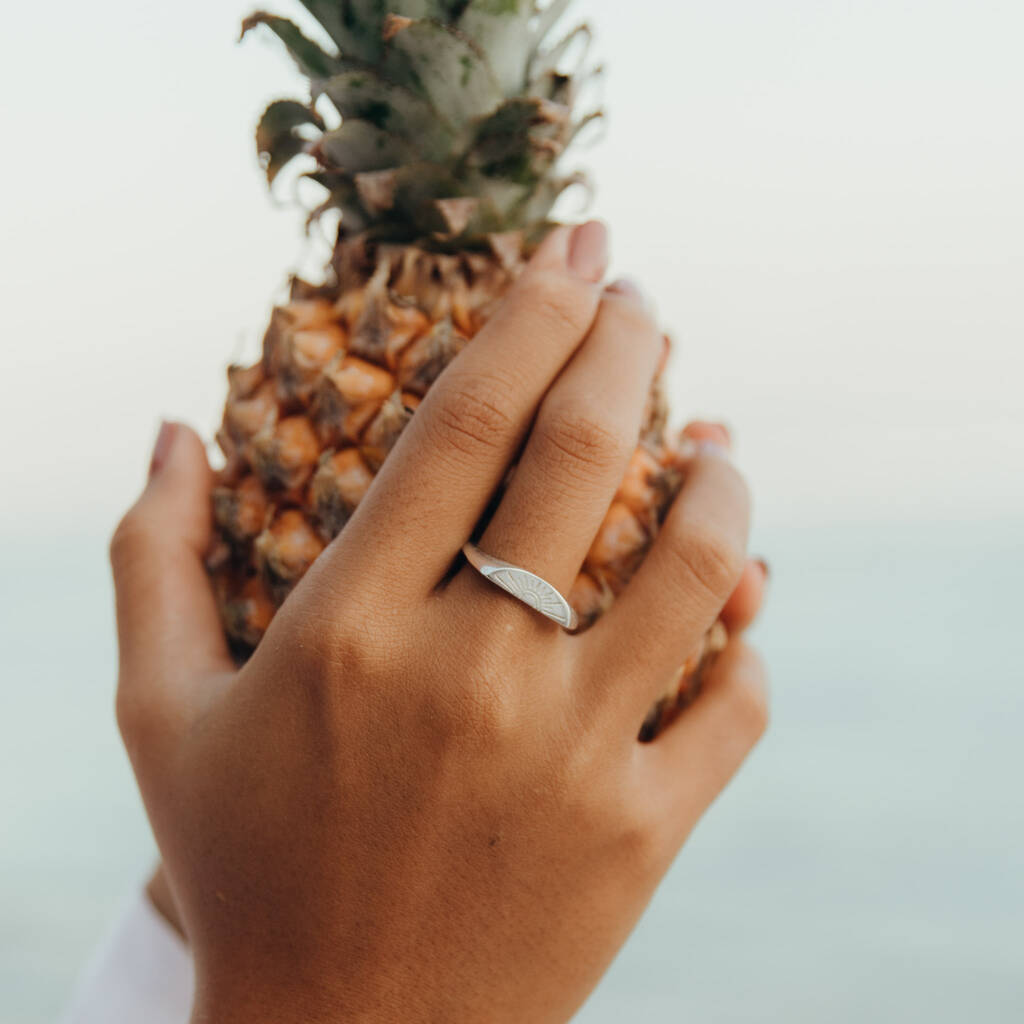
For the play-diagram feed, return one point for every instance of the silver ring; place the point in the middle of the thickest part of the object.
(525, 586)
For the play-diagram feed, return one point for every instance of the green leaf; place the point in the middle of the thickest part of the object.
(392, 108)
(541, 201)
(363, 23)
(501, 31)
(549, 60)
(343, 197)
(500, 198)
(273, 161)
(417, 187)
(312, 60)
(331, 16)
(521, 140)
(449, 71)
(282, 118)
(509, 206)
(361, 146)
(504, 8)
(547, 20)
(420, 184)
(277, 138)
(553, 86)
(447, 12)
(582, 124)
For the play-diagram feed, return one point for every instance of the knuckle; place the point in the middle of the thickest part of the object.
(484, 706)
(131, 539)
(708, 559)
(575, 441)
(137, 722)
(474, 415)
(640, 839)
(359, 643)
(483, 715)
(602, 801)
(559, 302)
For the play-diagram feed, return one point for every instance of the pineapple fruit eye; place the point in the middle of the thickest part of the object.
(445, 159)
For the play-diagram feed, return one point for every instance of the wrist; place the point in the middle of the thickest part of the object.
(305, 992)
(294, 994)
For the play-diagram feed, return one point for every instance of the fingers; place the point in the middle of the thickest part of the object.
(690, 763)
(700, 431)
(441, 475)
(744, 603)
(586, 432)
(169, 632)
(692, 568)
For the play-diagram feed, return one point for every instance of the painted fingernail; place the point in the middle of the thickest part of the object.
(162, 447)
(588, 250)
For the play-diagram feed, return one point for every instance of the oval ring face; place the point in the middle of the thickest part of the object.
(533, 591)
(524, 586)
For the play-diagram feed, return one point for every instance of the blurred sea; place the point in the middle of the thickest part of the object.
(867, 865)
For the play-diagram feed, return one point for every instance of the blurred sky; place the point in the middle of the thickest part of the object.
(824, 197)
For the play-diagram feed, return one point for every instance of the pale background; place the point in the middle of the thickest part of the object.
(827, 201)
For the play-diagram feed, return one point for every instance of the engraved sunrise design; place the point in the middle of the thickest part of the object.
(533, 591)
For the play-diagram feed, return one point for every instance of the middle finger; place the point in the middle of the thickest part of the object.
(586, 431)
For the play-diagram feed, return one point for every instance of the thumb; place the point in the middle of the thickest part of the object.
(169, 632)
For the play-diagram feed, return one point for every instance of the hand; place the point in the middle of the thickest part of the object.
(421, 801)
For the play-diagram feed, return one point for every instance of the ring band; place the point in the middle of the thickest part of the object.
(525, 586)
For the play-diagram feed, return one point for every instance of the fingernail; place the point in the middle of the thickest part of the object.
(702, 430)
(686, 448)
(629, 288)
(713, 450)
(765, 568)
(162, 448)
(588, 250)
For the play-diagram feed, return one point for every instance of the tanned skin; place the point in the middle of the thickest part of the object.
(420, 800)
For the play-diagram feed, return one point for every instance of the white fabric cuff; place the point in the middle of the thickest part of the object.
(142, 972)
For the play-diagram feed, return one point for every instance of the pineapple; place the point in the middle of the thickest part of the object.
(436, 128)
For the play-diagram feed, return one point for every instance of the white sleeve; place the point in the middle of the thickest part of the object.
(142, 972)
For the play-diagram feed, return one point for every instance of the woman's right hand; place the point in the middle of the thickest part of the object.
(420, 800)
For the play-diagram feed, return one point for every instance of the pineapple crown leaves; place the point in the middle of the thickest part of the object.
(450, 116)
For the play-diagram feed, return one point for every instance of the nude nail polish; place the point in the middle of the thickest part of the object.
(588, 250)
(162, 447)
